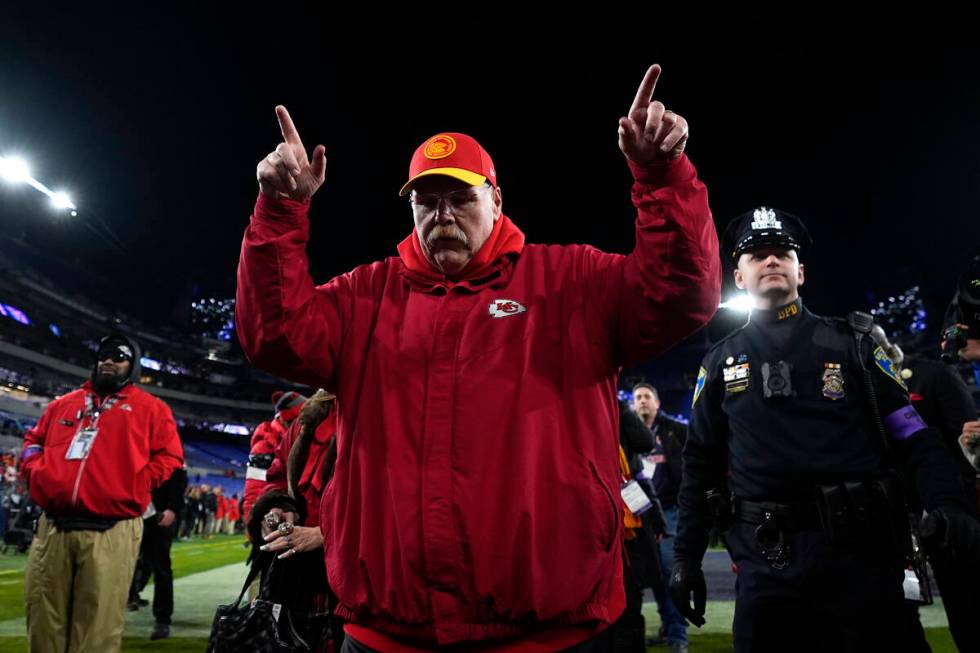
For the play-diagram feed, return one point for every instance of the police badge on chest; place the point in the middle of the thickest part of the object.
(833, 381)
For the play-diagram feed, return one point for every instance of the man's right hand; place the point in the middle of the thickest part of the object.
(686, 578)
(286, 172)
(970, 442)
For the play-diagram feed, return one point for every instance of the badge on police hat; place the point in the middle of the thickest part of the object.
(763, 218)
(833, 381)
(763, 227)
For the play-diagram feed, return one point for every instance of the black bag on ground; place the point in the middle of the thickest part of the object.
(264, 626)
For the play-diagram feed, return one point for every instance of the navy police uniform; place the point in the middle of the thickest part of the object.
(788, 439)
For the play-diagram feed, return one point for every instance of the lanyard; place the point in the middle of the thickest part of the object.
(93, 412)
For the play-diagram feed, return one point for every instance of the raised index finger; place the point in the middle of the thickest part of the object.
(645, 92)
(289, 133)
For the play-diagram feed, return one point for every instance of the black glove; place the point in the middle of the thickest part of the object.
(687, 578)
(261, 460)
(960, 533)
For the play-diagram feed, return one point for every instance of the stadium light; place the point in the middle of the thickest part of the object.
(16, 170)
(741, 303)
(62, 201)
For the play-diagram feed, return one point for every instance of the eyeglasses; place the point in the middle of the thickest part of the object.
(457, 200)
(114, 356)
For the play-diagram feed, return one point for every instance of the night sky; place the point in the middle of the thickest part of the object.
(155, 124)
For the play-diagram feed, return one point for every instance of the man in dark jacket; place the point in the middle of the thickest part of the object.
(804, 422)
(641, 566)
(159, 527)
(209, 501)
(944, 401)
(664, 460)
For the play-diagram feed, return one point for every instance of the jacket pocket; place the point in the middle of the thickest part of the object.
(611, 529)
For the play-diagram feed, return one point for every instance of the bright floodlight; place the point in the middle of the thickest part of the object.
(740, 302)
(62, 201)
(14, 170)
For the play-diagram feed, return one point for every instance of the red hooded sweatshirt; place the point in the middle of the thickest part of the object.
(476, 490)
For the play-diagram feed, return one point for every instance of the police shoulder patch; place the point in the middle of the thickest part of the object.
(699, 385)
(885, 365)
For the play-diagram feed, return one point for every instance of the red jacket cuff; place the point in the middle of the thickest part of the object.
(280, 210)
(664, 173)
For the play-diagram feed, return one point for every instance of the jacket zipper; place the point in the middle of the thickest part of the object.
(81, 468)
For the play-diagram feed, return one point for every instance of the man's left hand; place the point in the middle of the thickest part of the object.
(959, 530)
(167, 518)
(651, 133)
(300, 540)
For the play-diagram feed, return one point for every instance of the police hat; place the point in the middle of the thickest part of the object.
(764, 226)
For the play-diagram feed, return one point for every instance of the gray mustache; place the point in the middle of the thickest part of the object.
(447, 231)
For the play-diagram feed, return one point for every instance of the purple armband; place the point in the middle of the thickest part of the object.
(30, 452)
(903, 423)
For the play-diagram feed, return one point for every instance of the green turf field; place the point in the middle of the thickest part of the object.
(209, 572)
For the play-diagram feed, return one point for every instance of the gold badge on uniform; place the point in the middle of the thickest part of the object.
(833, 381)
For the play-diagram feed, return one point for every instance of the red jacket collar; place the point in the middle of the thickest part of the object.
(505, 242)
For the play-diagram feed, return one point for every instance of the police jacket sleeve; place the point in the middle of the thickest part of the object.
(705, 463)
(166, 452)
(920, 450)
(670, 284)
(285, 324)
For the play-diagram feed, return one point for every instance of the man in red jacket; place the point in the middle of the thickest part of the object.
(265, 441)
(482, 507)
(91, 462)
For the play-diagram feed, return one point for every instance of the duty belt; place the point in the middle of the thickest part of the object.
(796, 516)
(774, 521)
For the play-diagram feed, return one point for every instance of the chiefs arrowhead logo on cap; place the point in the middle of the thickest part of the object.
(439, 147)
(451, 154)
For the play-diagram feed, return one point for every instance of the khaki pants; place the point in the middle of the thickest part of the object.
(76, 586)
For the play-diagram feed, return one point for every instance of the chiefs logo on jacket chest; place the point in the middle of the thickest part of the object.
(505, 308)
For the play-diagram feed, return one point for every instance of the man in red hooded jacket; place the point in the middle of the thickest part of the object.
(265, 441)
(481, 507)
(91, 462)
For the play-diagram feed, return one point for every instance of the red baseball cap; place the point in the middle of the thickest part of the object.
(454, 155)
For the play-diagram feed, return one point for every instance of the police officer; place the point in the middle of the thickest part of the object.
(797, 419)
